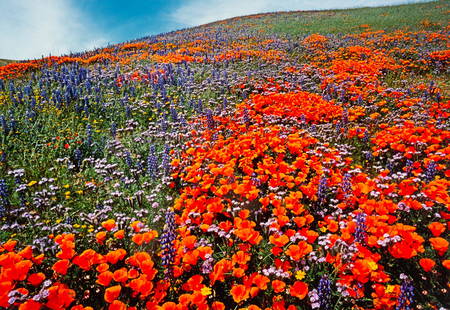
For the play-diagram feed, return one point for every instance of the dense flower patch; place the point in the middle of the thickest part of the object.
(211, 168)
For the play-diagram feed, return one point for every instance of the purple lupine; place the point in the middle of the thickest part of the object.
(409, 166)
(255, 181)
(128, 160)
(4, 197)
(366, 136)
(173, 114)
(345, 117)
(18, 182)
(338, 127)
(321, 190)
(360, 232)
(199, 107)
(3, 157)
(346, 185)
(406, 297)
(302, 120)
(89, 135)
(78, 157)
(210, 120)
(166, 240)
(207, 265)
(224, 103)
(128, 111)
(166, 160)
(246, 117)
(113, 130)
(4, 124)
(430, 172)
(152, 163)
(324, 292)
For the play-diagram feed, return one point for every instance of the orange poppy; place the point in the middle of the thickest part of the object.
(111, 293)
(239, 293)
(427, 264)
(299, 289)
(117, 305)
(61, 266)
(105, 278)
(278, 286)
(109, 224)
(439, 244)
(36, 279)
(120, 275)
(436, 228)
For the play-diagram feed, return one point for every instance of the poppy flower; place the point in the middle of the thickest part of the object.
(61, 266)
(279, 240)
(427, 264)
(30, 305)
(104, 278)
(296, 252)
(436, 228)
(100, 237)
(120, 275)
(117, 305)
(217, 305)
(261, 281)
(109, 224)
(299, 289)
(36, 278)
(278, 286)
(439, 244)
(120, 234)
(239, 293)
(111, 293)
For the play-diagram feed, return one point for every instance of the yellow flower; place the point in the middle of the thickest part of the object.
(66, 186)
(76, 225)
(300, 275)
(390, 289)
(373, 265)
(31, 183)
(79, 192)
(206, 291)
(58, 221)
(67, 193)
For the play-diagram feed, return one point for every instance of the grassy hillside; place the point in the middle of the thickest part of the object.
(432, 15)
(281, 161)
(4, 62)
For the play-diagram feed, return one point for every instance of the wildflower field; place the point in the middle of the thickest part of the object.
(261, 162)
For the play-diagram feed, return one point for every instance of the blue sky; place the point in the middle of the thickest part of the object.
(35, 28)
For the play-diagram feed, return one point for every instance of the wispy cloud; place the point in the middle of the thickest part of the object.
(197, 12)
(32, 28)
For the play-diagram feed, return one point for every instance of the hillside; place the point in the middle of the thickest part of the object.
(410, 17)
(290, 160)
(4, 62)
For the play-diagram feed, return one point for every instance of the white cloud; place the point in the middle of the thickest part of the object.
(197, 12)
(32, 28)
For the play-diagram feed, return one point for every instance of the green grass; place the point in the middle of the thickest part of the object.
(409, 17)
(4, 62)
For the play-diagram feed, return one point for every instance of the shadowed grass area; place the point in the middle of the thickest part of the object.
(4, 62)
(409, 17)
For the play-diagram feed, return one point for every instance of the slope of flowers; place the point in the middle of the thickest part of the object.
(220, 168)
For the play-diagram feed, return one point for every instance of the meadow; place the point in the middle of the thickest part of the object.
(291, 160)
